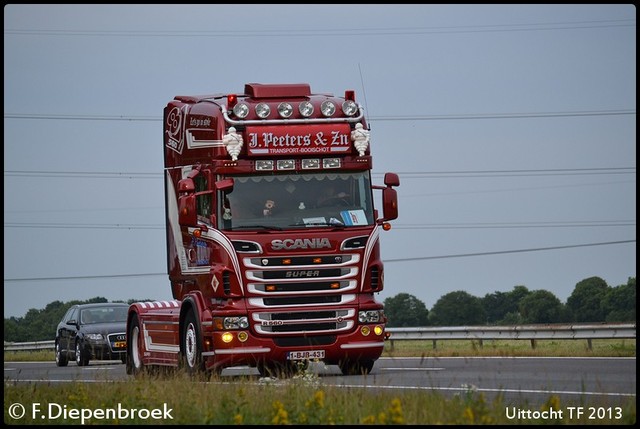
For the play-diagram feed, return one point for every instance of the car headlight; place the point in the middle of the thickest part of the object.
(238, 322)
(95, 337)
(370, 316)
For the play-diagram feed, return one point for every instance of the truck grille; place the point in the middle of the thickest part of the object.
(278, 283)
(304, 321)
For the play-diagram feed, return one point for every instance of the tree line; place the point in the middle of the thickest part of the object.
(40, 325)
(592, 300)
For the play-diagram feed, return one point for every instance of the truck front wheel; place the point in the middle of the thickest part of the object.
(191, 348)
(134, 347)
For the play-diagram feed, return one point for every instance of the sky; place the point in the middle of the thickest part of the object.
(512, 129)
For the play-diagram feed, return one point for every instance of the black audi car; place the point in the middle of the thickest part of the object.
(92, 332)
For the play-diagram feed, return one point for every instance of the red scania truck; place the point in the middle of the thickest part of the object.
(273, 249)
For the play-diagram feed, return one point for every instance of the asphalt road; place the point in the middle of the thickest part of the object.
(518, 379)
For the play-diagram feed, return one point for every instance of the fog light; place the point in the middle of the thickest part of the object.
(378, 330)
(243, 336)
(227, 337)
(365, 330)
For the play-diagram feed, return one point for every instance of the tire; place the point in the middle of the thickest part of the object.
(82, 359)
(133, 358)
(61, 358)
(191, 345)
(356, 367)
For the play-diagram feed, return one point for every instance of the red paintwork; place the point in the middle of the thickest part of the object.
(194, 127)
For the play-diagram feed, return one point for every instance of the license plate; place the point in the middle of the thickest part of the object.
(306, 354)
(120, 345)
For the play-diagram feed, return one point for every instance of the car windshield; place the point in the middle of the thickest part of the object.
(103, 315)
(283, 201)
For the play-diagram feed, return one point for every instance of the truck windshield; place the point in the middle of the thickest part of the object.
(285, 201)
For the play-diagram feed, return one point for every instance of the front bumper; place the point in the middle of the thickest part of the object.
(219, 353)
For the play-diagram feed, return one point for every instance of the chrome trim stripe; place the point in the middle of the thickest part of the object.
(344, 299)
(361, 345)
(252, 288)
(348, 325)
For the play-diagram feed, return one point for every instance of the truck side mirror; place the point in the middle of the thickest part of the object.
(390, 197)
(187, 215)
(391, 179)
(389, 203)
(186, 185)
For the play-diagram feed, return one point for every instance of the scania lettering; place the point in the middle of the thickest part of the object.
(273, 235)
(290, 243)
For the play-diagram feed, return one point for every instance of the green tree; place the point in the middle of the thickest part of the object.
(502, 307)
(619, 303)
(541, 306)
(40, 325)
(457, 308)
(585, 302)
(405, 310)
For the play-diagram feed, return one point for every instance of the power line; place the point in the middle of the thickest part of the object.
(403, 174)
(616, 112)
(472, 225)
(385, 261)
(501, 252)
(342, 32)
(501, 225)
(81, 226)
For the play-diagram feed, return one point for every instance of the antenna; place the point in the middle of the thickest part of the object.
(364, 94)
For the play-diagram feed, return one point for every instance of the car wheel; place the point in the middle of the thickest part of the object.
(191, 345)
(61, 358)
(133, 359)
(81, 357)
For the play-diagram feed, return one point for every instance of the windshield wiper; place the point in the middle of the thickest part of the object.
(267, 227)
(333, 222)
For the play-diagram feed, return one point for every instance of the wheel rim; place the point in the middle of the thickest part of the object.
(78, 354)
(135, 347)
(57, 353)
(190, 345)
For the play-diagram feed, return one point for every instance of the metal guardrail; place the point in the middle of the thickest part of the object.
(587, 332)
(29, 346)
(516, 332)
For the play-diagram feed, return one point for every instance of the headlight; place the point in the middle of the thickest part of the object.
(349, 107)
(328, 108)
(237, 322)
(285, 109)
(263, 110)
(94, 337)
(370, 316)
(306, 109)
(241, 110)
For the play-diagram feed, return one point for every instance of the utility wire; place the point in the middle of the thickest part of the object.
(374, 31)
(403, 174)
(385, 261)
(75, 117)
(502, 252)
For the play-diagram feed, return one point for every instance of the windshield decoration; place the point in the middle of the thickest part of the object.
(360, 137)
(233, 142)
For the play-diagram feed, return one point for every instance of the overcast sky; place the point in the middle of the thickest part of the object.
(512, 128)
